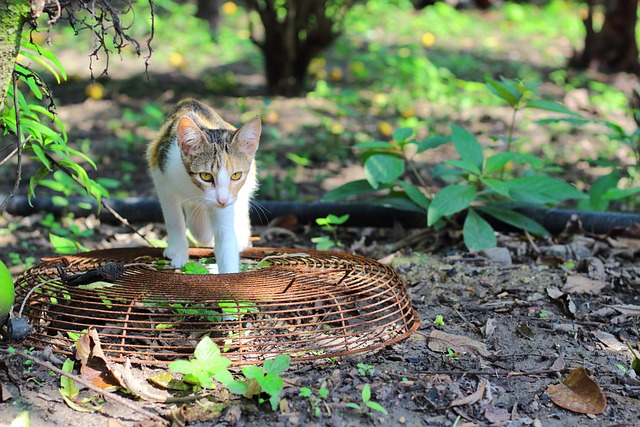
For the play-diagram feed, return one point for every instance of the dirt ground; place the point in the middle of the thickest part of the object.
(521, 319)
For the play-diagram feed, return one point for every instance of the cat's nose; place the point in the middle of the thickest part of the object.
(222, 200)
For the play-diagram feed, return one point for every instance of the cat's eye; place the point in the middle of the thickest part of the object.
(206, 176)
(236, 176)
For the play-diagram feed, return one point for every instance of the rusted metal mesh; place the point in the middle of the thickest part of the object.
(309, 304)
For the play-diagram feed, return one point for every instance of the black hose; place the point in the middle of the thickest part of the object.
(136, 210)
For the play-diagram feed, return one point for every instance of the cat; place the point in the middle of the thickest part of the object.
(204, 172)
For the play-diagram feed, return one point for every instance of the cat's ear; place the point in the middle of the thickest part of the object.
(247, 138)
(189, 134)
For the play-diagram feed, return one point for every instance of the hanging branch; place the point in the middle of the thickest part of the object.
(16, 184)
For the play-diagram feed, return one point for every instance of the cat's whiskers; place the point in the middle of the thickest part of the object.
(260, 210)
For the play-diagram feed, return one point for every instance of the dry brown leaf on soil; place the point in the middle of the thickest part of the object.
(93, 364)
(577, 284)
(473, 397)
(497, 415)
(442, 341)
(609, 340)
(578, 393)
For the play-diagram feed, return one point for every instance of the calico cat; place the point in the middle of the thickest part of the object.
(203, 169)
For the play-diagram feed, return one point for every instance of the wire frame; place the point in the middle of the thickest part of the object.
(309, 304)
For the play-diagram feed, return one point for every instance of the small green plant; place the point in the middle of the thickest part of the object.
(208, 362)
(439, 320)
(367, 402)
(330, 223)
(314, 401)
(483, 184)
(364, 369)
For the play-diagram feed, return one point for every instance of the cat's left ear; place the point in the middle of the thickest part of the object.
(247, 138)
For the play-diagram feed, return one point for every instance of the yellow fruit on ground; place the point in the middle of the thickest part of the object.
(271, 117)
(316, 64)
(229, 7)
(407, 112)
(176, 60)
(7, 292)
(385, 128)
(357, 68)
(428, 39)
(321, 74)
(336, 74)
(94, 91)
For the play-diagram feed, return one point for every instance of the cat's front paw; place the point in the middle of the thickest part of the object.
(178, 255)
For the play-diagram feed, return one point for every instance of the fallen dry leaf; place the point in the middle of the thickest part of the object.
(609, 340)
(578, 393)
(441, 341)
(497, 415)
(473, 397)
(577, 284)
(93, 364)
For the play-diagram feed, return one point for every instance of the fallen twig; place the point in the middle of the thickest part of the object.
(107, 395)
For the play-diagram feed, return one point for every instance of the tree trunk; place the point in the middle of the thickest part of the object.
(209, 10)
(614, 48)
(13, 15)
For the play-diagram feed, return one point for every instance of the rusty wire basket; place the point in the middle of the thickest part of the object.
(309, 304)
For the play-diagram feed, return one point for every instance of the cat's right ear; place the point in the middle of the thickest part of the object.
(189, 135)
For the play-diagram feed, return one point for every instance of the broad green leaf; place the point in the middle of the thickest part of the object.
(400, 202)
(543, 190)
(600, 187)
(497, 186)
(40, 174)
(222, 375)
(277, 365)
(542, 104)
(68, 387)
(181, 366)
(478, 233)
(194, 267)
(237, 387)
(464, 165)
(516, 219)
(432, 142)
(350, 189)
(252, 372)
(403, 134)
(62, 245)
(504, 91)
(383, 168)
(22, 420)
(415, 194)
(206, 350)
(620, 193)
(467, 146)
(449, 200)
(497, 162)
(271, 384)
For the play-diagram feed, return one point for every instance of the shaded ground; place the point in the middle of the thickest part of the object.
(542, 309)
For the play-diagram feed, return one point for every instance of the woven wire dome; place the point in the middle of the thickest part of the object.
(308, 304)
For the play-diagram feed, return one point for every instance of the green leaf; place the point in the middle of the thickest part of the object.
(449, 200)
(68, 387)
(383, 168)
(237, 387)
(504, 91)
(366, 393)
(194, 267)
(516, 219)
(478, 233)
(377, 407)
(415, 194)
(467, 146)
(62, 245)
(600, 187)
(275, 401)
(181, 366)
(542, 104)
(252, 372)
(350, 189)
(206, 350)
(400, 202)
(352, 405)
(497, 186)
(432, 142)
(271, 384)
(305, 392)
(402, 134)
(497, 162)
(22, 420)
(375, 145)
(542, 190)
(464, 165)
(279, 364)
(620, 193)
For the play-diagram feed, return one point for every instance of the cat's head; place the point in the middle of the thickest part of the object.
(219, 161)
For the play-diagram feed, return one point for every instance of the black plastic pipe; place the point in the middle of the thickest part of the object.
(137, 210)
